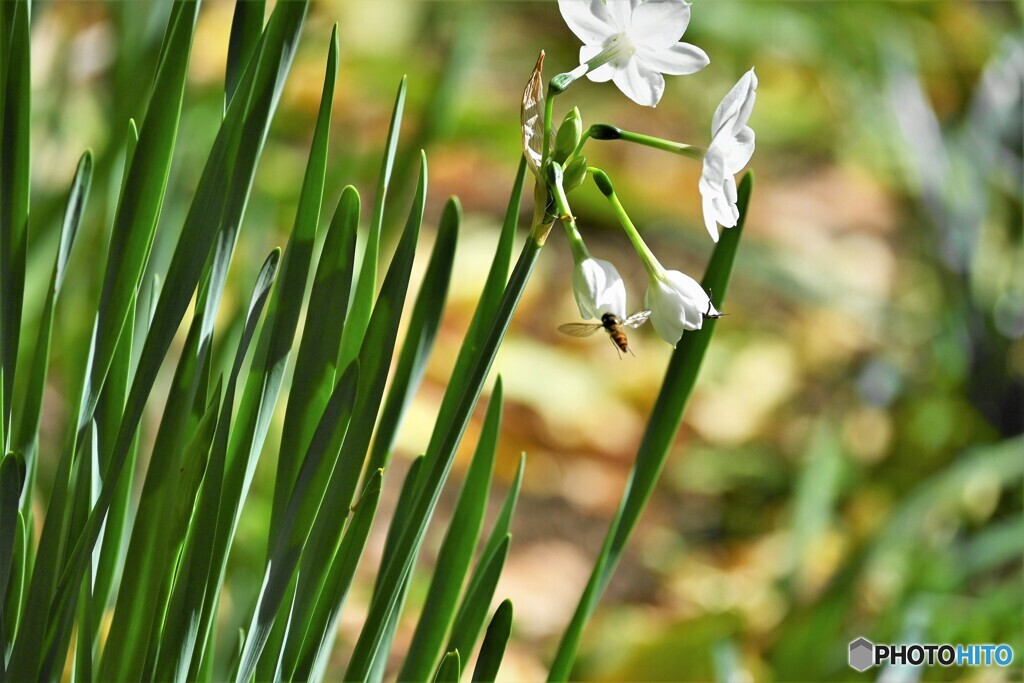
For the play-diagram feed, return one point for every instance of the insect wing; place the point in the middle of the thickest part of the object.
(637, 319)
(579, 329)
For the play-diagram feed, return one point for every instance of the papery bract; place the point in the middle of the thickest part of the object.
(598, 289)
(633, 43)
(678, 304)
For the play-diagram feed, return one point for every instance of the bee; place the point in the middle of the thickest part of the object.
(613, 325)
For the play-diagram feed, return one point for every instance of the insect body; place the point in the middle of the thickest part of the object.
(612, 324)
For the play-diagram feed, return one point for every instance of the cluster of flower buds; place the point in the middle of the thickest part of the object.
(633, 43)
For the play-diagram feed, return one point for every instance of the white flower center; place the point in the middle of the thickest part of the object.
(619, 47)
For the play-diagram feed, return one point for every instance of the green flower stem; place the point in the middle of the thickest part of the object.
(549, 112)
(579, 249)
(659, 436)
(561, 82)
(583, 140)
(651, 263)
(603, 131)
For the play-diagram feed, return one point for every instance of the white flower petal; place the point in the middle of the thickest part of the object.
(621, 13)
(737, 150)
(642, 85)
(598, 289)
(677, 304)
(588, 19)
(600, 74)
(664, 316)
(692, 296)
(735, 108)
(710, 221)
(679, 59)
(712, 189)
(659, 23)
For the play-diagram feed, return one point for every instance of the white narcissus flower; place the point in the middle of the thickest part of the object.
(732, 144)
(677, 303)
(598, 289)
(635, 41)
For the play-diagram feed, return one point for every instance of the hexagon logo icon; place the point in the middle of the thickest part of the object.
(862, 654)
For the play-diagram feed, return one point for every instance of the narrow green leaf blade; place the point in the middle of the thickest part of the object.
(139, 206)
(315, 363)
(246, 27)
(447, 435)
(108, 556)
(218, 206)
(375, 363)
(662, 427)
(366, 284)
(456, 552)
(422, 331)
(450, 669)
(191, 600)
(15, 118)
(148, 562)
(320, 634)
(487, 306)
(501, 528)
(25, 436)
(15, 583)
(12, 477)
(470, 621)
(303, 504)
(493, 648)
(273, 349)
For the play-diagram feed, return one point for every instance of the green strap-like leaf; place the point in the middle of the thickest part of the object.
(658, 438)
(15, 116)
(439, 460)
(82, 481)
(190, 601)
(15, 583)
(315, 367)
(107, 554)
(273, 348)
(141, 201)
(219, 203)
(246, 27)
(493, 648)
(374, 362)
(456, 552)
(12, 477)
(148, 563)
(25, 436)
(450, 669)
(470, 621)
(320, 640)
(129, 249)
(314, 377)
(303, 504)
(422, 331)
(366, 284)
(464, 638)
(486, 308)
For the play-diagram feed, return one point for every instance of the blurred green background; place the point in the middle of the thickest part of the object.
(851, 462)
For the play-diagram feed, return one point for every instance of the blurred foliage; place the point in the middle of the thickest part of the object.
(852, 460)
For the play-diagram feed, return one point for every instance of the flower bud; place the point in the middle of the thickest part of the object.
(575, 173)
(603, 131)
(598, 289)
(569, 134)
(677, 303)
